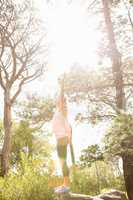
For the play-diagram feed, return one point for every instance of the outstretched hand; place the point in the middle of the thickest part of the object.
(61, 81)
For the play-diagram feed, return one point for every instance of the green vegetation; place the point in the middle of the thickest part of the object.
(119, 139)
(97, 173)
(86, 181)
(29, 182)
(33, 180)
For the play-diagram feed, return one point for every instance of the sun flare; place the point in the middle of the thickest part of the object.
(71, 36)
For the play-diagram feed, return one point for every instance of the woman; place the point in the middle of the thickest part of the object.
(62, 130)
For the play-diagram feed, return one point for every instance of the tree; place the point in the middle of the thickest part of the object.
(29, 132)
(37, 110)
(115, 58)
(91, 155)
(119, 142)
(22, 140)
(20, 46)
(31, 142)
(120, 95)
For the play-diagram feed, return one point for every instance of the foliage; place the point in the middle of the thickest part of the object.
(37, 110)
(22, 138)
(29, 133)
(33, 181)
(119, 138)
(104, 171)
(90, 155)
(30, 141)
(95, 89)
(28, 183)
(85, 180)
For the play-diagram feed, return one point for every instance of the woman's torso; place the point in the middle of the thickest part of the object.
(60, 125)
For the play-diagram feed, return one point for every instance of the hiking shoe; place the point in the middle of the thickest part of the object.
(62, 189)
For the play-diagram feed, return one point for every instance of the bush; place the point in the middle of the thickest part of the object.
(28, 183)
(86, 181)
(26, 187)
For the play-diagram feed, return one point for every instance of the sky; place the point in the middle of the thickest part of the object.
(71, 34)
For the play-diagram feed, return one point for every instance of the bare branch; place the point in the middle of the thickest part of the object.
(92, 4)
(18, 91)
(13, 64)
(21, 68)
(12, 48)
(23, 34)
(34, 76)
(2, 46)
(4, 70)
(97, 87)
(129, 14)
(128, 84)
(107, 102)
(129, 95)
(107, 116)
(2, 81)
(26, 80)
(8, 62)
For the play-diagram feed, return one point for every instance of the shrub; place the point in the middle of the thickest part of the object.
(86, 181)
(28, 183)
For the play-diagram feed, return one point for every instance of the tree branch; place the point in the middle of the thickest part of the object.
(92, 4)
(4, 70)
(1, 80)
(129, 95)
(129, 14)
(2, 46)
(18, 91)
(24, 81)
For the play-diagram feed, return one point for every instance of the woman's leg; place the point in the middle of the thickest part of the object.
(62, 153)
(65, 171)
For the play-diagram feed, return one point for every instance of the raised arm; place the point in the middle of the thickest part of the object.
(61, 94)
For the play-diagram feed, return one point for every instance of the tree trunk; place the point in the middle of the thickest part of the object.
(120, 96)
(7, 134)
(128, 174)
(98, 178)
(115, 58)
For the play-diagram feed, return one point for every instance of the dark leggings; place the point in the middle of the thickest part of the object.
(62, 153)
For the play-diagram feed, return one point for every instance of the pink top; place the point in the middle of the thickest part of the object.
(60, 126)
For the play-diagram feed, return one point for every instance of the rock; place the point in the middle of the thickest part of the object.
(73, 196)
(112, 195)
